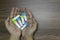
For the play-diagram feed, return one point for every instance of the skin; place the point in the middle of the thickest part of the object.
(27, 33)
(15, 32)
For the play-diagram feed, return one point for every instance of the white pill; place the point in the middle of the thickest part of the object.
(16, 17)
(18, 25)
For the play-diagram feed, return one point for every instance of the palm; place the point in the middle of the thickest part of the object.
(30, 29)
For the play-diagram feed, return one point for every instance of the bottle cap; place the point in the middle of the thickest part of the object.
(23, 13)
(21, 16)
(13, 20)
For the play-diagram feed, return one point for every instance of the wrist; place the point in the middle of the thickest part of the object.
(29, 38)
(16, 35)
(13, 37)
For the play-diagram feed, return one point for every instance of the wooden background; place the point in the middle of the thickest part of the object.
(46, 12)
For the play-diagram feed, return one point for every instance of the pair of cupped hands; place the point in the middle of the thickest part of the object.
(15, 31)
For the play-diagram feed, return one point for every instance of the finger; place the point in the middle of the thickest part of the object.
(34, 22)
(20, 10)
(10, 19)
(12, 13)
(7, 21)
(15, 12)
(28, 12)
(34, 26)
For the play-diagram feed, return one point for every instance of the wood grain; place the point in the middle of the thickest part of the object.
(46, 12)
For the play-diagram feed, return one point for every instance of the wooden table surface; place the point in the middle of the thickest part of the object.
(46, 12)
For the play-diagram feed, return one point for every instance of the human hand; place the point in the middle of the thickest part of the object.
(12, 28)
(27, 32)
